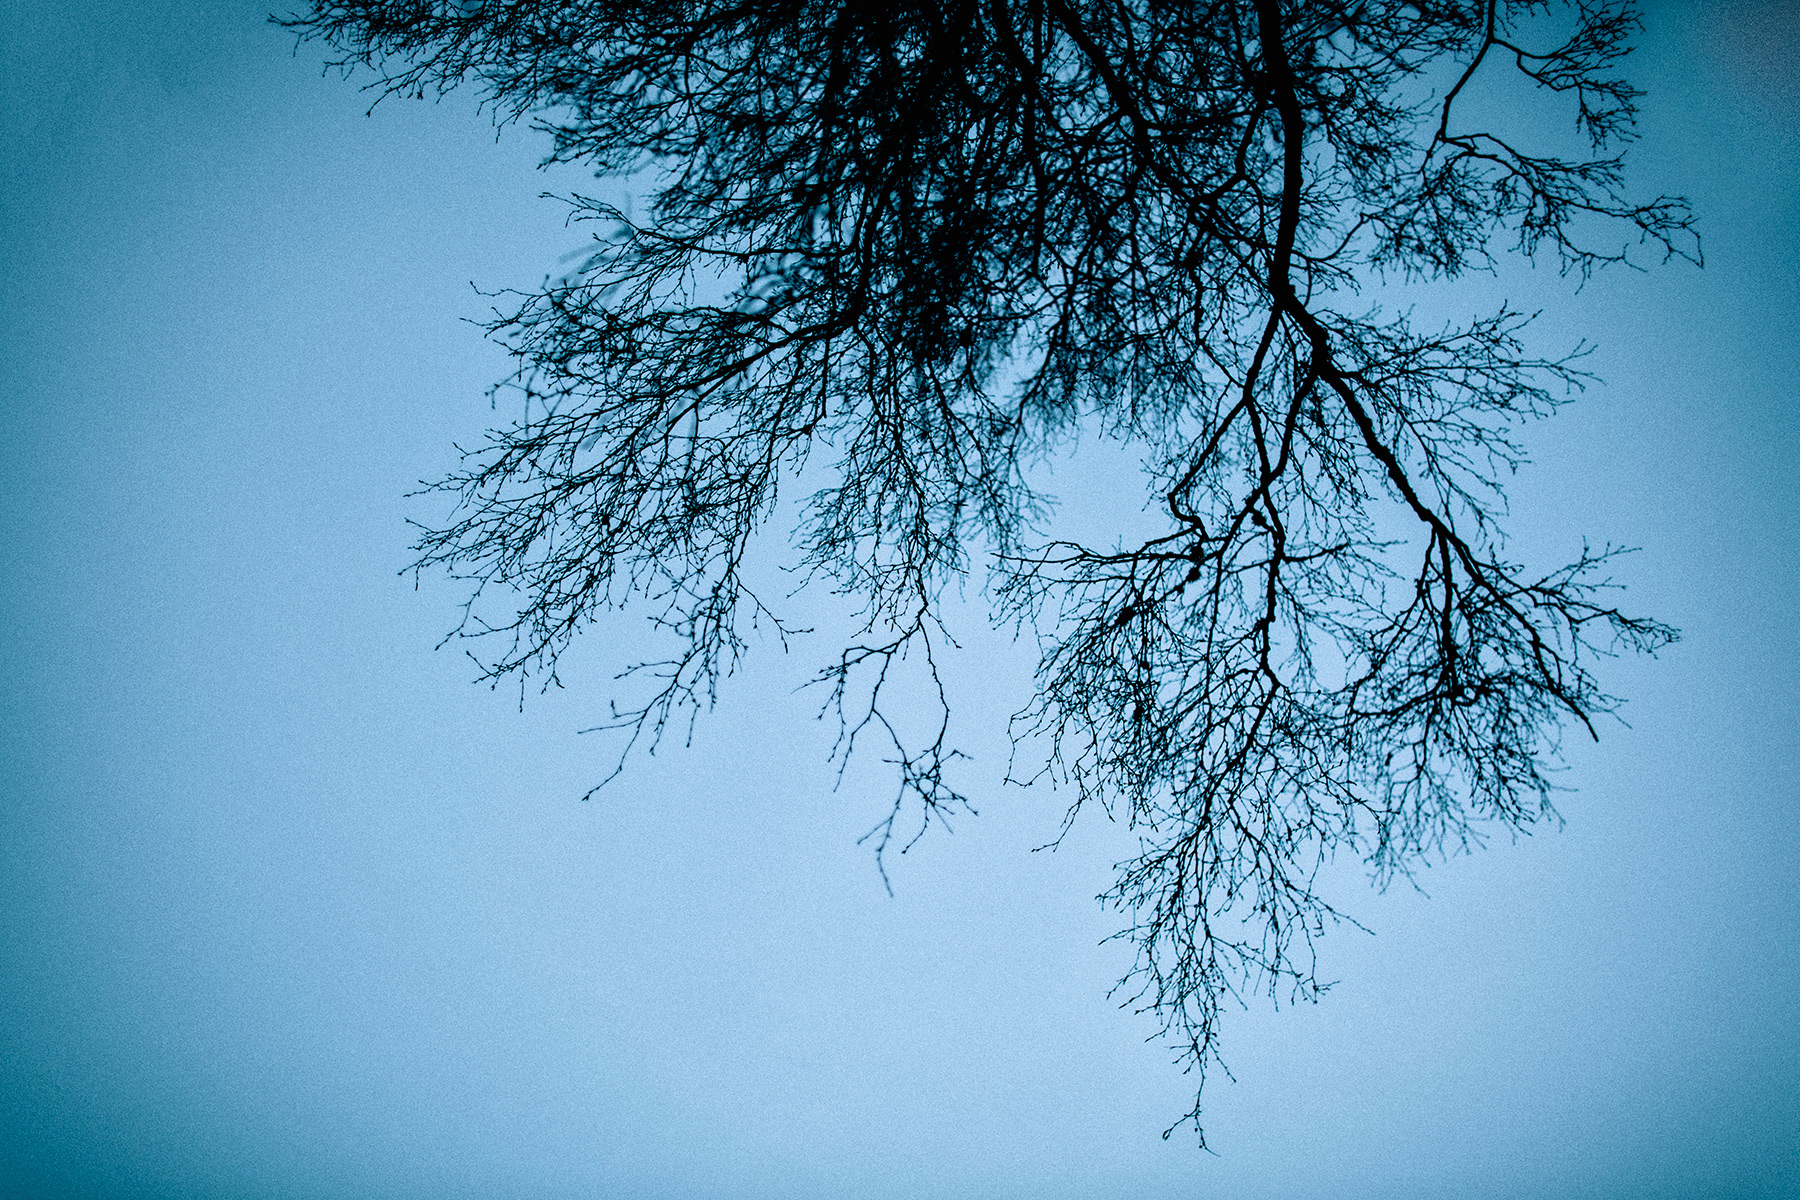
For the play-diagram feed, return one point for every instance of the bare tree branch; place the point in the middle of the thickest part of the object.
(909, 249)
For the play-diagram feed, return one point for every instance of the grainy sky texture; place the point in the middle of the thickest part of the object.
(290, 910)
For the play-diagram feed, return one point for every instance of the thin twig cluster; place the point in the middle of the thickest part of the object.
(917, 245)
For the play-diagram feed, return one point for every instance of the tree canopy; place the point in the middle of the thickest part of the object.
(901, 253)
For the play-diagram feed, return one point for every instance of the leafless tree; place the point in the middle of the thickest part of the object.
(925, 243)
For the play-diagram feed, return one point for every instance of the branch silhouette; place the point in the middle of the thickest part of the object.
(918, 246)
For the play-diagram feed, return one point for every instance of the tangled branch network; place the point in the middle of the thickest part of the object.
(913, 248)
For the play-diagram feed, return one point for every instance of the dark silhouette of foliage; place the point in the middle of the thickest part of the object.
(929, 242)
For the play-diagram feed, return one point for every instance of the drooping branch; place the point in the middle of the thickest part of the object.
(898, 255)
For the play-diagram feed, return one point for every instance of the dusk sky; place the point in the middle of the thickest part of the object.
(291, 909)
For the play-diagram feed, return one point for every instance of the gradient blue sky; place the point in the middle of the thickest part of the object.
(289, 909)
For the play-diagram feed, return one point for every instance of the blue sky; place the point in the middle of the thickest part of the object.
(290, 909)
